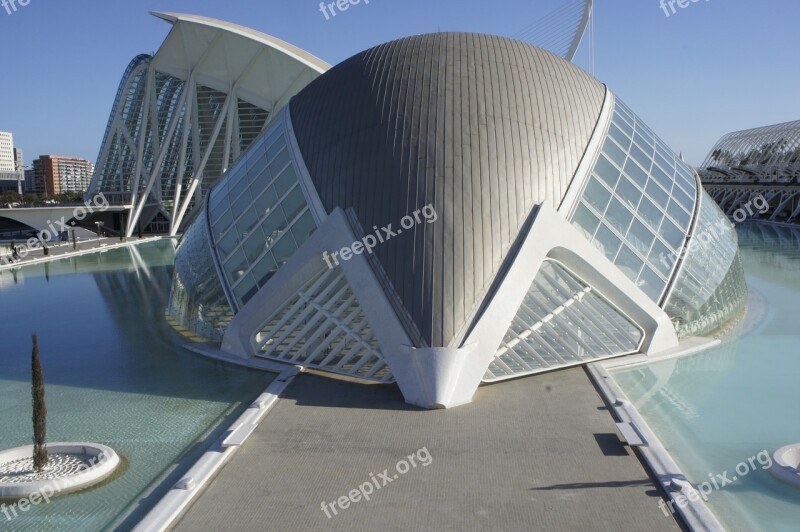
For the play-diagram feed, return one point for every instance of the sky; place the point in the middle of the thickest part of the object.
(712, 67)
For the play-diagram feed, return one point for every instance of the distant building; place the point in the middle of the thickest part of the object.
(6, 152)
(19, 160)
(763, 162)
(10, 175)
(28, 186)
(54, 174)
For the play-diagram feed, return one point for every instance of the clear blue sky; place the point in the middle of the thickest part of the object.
(713, 67)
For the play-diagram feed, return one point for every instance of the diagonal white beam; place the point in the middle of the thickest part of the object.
(198, 172)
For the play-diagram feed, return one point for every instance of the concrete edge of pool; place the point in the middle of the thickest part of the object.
(685, 499)
(193, 482)
(76, 253)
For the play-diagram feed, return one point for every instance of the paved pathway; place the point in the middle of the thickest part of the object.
(538, 453)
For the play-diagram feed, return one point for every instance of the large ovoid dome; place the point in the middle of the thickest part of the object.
(481, 127)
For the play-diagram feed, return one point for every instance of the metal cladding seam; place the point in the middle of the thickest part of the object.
(481, 127)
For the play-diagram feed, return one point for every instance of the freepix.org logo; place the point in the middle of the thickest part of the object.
(11, 6)
(668, 6)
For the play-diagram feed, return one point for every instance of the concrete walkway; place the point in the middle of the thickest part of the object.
(538, 453)
(61, 250)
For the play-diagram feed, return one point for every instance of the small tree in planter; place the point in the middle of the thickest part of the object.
(40, 458)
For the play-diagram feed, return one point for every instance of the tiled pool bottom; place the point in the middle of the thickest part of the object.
(115, 374)
(717, 409)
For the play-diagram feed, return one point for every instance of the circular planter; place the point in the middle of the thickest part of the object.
(72, 467)
(786, 464)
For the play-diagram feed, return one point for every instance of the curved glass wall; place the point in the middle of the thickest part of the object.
(562, 321)
(710, 288)
(259, 215)
(197, 301)
(637, 204)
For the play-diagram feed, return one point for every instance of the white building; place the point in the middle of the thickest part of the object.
(7, 163)
(454, 209)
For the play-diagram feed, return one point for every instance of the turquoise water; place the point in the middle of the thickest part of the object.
(717, 409)
(115, 375)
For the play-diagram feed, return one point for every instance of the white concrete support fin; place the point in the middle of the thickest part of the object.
(198, 174)
(148, 95)
(156, 170)
(181, 172)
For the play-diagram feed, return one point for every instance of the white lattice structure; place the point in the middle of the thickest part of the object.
(184, 115)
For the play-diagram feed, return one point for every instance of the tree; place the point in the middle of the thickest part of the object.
(40, 457)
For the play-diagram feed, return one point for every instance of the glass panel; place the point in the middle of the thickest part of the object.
(223, 223)
(623, 124)
(636, 173)
(284, 249)
(294, 203)
(228, 243)
(640, 237)
(662, 258)
(264, 269)
(608, 241)
(286, 180)
(619, 216)
(279, 162)
(621, 138)
(266, 202)
(672, 234)
(254, 246)
(585, 221)
(246, 289)
(614, 152)
(304, 227)
(236, 266)
(247, 222)
(273, 151)
(629, 263)
(641, 157)
(597, 195)
(628, 192)
(242, 202)
(650, 213)
(273, 226)
(678, 214)
(651, 284)
(663, 179)
(657, 194)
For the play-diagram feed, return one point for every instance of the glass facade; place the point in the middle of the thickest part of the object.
(637, 204)
(259, 215)
(561, 322)
(710, 288)
(197, 302)
(322, 326)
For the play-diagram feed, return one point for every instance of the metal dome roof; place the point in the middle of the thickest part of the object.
(481, 127)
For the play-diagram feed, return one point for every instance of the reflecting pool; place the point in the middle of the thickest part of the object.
(116, 374)
(717, 409)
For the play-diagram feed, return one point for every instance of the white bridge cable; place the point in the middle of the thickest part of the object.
(559, 31)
